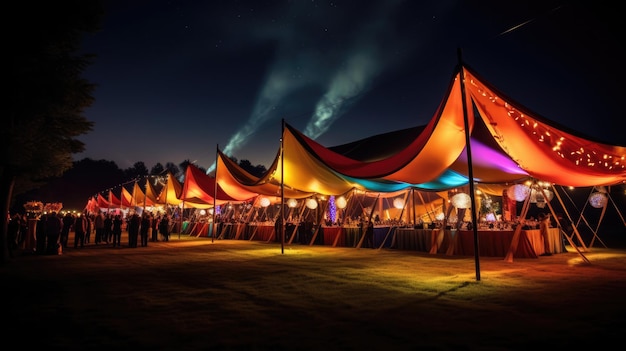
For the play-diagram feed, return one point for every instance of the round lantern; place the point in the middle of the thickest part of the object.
(202, 212)
(341, 202)
(264, 202)
(311, 204)
(461, 200)
(598, 200)
(398, 203)
(292, 203)
(519, 192)
(440, 216)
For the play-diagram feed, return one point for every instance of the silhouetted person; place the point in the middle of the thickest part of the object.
(40, 235)
(13, 230)
(369, 235)
(133, 229)
(54, 226)
(68, 221)
(544, 225)
(90, 225)
(80, 229)
(146, 224)
(98, 223)
(116, 229)
(155, 228)
(107, 233)
(164, 228)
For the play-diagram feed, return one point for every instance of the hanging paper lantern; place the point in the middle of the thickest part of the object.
(440, 216)
(598, 200)
(311, 203)
(202, 212)
(519, 192)
(264, 202)
(341, 202)
(461, 200)
(398, 203)
(292, 203)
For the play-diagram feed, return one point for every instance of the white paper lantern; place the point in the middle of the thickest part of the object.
(341, 202)
(292, 203)
(440, 216)
(518, 192)
(311, 203)
(398, 203)
(264, 202)
(598, 200)
(461, 200)
(202, 212)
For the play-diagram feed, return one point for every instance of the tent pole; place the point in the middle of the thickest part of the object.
(217, 150)
(469, 163)
(282, 188)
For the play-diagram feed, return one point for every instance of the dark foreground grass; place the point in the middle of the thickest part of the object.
(199, 294)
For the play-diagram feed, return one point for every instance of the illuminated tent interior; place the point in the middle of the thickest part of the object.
(509, 145)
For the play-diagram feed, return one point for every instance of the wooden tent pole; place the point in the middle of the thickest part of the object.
(518, 230)
(343, 219)
(369, 219)
(576, 232)
(470, 171)
(214, 226)
(569, 239)
(293, 234)
(282, 188)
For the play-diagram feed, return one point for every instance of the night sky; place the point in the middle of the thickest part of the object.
(177, 79)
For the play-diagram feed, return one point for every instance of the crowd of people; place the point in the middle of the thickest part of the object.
(52, 230)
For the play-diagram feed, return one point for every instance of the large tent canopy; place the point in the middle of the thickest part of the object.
(508, 144)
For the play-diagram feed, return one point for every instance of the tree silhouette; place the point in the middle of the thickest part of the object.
(47, 95)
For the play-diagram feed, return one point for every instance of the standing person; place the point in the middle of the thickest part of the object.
(89, 226)
(54, 227)
(107, 232)
(164, 227)
(80, 228)
(146, 224)
(40, 235)
(13, 230)
(369, 234)
(68, 221)
(23, 231)
(155, 228)
(133, 229)
(544, 225)
(567, 229)
(98, 223)
(116, 230)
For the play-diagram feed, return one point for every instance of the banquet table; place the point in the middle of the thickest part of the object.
(423, 239)
(351, 236)
(498, 242)
(490, 242)
(333, 236)
(259, 232)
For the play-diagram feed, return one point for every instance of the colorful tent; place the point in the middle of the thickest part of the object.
(199, 190)
(509, 144)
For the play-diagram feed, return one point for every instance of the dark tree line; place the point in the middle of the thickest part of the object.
(46, 95)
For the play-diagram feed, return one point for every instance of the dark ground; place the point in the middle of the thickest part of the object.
(199, 294)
